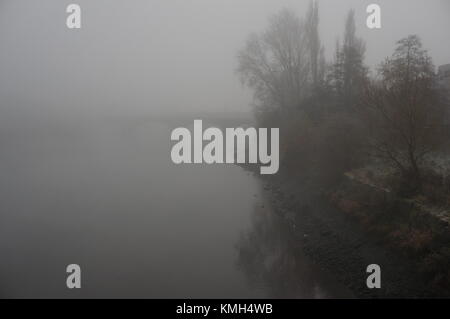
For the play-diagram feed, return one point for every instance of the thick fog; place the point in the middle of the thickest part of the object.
(157, 56)
(86, 174)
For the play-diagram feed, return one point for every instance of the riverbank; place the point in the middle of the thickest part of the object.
(341, 245)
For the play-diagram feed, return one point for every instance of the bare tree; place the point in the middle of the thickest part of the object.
(405, 117)
(275, 63)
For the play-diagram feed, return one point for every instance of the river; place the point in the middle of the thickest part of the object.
(105, 195)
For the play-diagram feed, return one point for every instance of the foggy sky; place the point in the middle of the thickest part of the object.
(153, 56)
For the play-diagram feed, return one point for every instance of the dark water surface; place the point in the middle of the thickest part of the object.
(106, 196)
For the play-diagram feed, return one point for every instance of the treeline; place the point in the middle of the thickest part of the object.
(338, 115)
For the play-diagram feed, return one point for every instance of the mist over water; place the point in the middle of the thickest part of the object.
(107, 198)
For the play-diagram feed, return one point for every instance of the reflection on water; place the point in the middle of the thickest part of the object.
(270, 254)
(105, 195)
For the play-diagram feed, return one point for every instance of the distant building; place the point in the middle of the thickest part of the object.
(444, 75)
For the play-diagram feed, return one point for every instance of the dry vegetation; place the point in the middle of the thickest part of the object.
(339, 122)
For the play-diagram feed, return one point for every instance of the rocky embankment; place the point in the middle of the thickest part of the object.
(339, 243)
